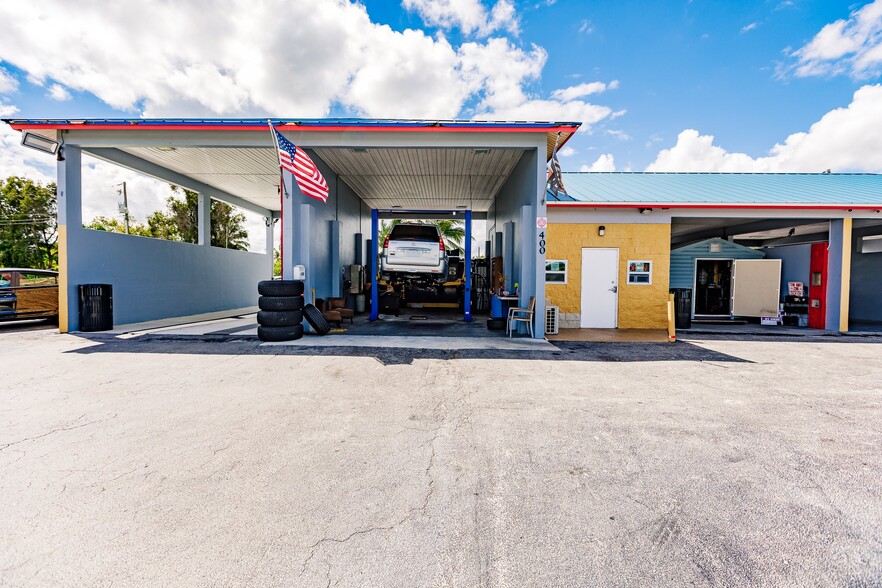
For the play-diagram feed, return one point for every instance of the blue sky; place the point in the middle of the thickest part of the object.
(691, 85)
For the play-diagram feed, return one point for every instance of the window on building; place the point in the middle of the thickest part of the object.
(556, 271)
(639, 272)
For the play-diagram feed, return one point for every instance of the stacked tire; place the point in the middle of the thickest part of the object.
(280, 316)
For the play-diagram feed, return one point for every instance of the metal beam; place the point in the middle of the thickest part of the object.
(129, 161)
(794, 240)
(429, 214)
(740, 229)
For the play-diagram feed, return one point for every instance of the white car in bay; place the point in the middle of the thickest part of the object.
(414, 251)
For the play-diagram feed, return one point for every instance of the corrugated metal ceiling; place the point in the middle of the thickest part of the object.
(420, 179)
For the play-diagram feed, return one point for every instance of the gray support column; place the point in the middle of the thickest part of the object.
(270, 245)
(838, 275)
(497, 244)
(538, 242)
(203, 216)
(301, 252)
(508, 249)
(70, 227)
(288, 221)
(336, 268)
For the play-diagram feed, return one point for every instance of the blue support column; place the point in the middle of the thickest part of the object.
(375, 292)
(467, 268)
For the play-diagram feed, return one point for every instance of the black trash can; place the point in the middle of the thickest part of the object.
(96, 307)
(682, 307)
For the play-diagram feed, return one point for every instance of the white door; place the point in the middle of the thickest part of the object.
(600, 288)
(756, 287)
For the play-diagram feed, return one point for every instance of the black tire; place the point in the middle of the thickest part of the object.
(280, 288)
(280, 303)
(316, 320)
(281, 318)
(496, 324)
(291, 333)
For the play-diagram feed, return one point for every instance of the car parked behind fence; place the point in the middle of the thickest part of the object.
(27, 293)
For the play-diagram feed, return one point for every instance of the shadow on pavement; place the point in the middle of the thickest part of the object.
(567, 351)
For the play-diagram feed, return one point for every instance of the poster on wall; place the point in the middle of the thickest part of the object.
(795, 288)
(639, 272)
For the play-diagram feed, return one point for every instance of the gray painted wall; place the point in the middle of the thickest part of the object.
(517, 191)
(865, 294)
(354, 216)
(795, 264)
(154, 279)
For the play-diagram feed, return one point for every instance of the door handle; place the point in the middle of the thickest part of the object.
(614, 289)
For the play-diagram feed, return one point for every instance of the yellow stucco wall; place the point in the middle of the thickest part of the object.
(640, 307)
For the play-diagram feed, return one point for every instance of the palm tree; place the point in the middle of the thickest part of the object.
(453, 231)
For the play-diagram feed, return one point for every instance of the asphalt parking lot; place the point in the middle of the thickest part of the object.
(712, 462)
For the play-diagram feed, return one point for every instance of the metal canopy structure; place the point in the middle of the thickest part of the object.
(235, 157)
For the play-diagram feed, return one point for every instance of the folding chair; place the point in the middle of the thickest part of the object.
(522, 315)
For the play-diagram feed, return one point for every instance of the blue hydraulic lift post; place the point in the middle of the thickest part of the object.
(467, 267)
(375, 292)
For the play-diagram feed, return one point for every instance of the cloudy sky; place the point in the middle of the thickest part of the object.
(692, 85)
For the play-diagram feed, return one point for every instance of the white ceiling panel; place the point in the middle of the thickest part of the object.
(420, 179)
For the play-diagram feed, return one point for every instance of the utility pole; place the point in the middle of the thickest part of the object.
(126, 206)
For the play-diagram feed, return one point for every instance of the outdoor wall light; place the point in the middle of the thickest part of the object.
(601, 230)
(39, 142)
(645, 210)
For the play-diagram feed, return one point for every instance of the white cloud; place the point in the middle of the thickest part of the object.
(58, 92)
(604, 163)
(586, 27)
(749, 27)
(620, 135)
(287, 58)
(566, 152)
(585, 89)
(844, 139)
(470, 16)
(852, 45)
(8, 83)
(16, 160)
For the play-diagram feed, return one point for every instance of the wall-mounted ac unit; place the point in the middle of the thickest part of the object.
(551, 320)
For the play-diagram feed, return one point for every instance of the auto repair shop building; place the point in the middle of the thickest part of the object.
(376, 169)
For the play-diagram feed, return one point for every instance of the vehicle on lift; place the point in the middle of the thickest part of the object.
(27, 293)
(414, 252)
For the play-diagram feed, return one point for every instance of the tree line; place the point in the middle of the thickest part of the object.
(29, 223)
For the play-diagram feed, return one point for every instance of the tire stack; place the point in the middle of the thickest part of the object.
(281, 310)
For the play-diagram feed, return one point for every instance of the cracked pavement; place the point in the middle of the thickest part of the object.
(211, 463)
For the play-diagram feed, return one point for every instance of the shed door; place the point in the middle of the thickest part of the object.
(756, 287)
(600, 286)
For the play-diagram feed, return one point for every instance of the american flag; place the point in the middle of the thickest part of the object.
(310, 180)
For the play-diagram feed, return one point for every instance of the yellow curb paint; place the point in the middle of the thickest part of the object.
(846, 275)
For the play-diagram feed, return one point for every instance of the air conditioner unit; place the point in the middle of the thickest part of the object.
(551, 320)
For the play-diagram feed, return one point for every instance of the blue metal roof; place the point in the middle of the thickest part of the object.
(782, 189)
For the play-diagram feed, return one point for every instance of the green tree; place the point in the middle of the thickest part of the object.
(28, 224)
(180, 221)
(453, 231)
(113, 225)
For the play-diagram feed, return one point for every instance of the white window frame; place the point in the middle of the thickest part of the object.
(565, 271)
(639, 273)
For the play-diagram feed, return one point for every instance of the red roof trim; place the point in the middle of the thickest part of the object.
(283, 127)
(714, 205)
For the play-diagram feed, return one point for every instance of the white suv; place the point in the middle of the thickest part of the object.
(416, 251)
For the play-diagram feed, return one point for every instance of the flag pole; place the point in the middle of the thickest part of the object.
(276, 144)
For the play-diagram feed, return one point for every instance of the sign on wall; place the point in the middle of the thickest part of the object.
(639, 272)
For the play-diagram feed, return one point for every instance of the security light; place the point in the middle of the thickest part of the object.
(645, 210)
(359, 150)
(39, 142)
(167, 148)
(601, 230)
(481, 151)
